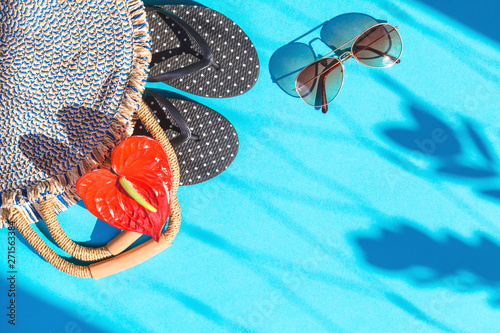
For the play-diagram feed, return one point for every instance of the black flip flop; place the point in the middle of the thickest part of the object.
(205, 142)
(200, 51)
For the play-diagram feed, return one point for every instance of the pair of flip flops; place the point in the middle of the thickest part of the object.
(200, 51)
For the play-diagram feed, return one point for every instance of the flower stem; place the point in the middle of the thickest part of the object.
(127, 186)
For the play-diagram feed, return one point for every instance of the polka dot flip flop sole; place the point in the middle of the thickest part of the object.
(200, 51)
(205, 142)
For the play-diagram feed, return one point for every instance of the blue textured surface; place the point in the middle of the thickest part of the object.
(380, 216)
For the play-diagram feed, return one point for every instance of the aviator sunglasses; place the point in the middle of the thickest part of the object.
(379, 46)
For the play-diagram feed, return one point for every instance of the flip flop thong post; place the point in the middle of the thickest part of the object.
(200, 51)
(205, 142)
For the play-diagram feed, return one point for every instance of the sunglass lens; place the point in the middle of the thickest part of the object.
(379, 46)
(320, 82)
(287, 62)
(340, 30)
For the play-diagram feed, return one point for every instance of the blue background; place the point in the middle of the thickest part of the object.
(323, 223)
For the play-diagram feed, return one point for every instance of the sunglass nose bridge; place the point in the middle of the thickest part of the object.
(344, 56)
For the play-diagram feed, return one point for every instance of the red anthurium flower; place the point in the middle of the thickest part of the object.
(137, 195)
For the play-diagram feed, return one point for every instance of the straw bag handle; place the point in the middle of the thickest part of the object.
(124, 239)
(106, 267)
(119, 243)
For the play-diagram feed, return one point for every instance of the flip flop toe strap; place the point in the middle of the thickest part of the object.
(185, 132)
(205, 49)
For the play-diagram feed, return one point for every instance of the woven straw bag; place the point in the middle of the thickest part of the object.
(72, 75)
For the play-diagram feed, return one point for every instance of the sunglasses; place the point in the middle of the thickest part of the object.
(379, 46)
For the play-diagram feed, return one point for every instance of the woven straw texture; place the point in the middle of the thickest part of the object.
(71, 76)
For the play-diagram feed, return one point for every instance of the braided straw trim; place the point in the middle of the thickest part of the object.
(21, 223)
(64, 242)
(174, 223)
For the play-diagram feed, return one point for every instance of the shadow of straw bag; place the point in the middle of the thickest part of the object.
(72, 75)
